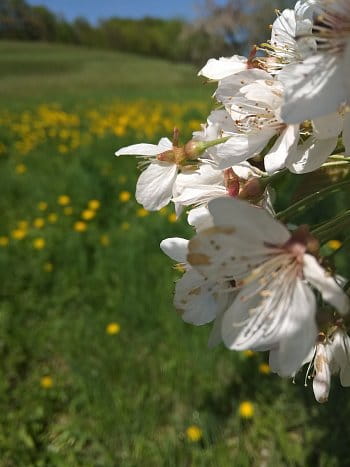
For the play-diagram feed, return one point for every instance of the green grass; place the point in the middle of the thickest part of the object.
(125, 399)
(32, 73)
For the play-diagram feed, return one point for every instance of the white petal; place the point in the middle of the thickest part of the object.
(155, 185)
(322, 379)
(200, 218)
(230, 86)
(200, 194)
(331, 292)
(240, 147)
(215, 334)
(176, 248)
(144, 149)
(219, 69)
(311, 155)
(253, 220)
(312, 88)
(268, 91)
(300, 330)
(277, 156)
(195, 299)
(328, 126)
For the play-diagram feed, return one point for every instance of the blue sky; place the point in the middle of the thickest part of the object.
(95, 9)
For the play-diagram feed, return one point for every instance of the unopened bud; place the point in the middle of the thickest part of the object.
(193, 149)
(231, 183)
(253, 189)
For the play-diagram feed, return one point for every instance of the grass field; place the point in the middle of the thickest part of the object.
(96, 367)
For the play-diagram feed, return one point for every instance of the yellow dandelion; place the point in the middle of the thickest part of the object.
(42, 206)
(125, 225)
(63, 200)
(142, 212)
(23, 225)
(194, 433)
(94, 204)
(48, 267)
(39, 223)
(68, 211)
(18, 234)
(63, 149)
(88, 214)
(52, 218)
(21, 169)
(39, 243)
(46, 382)
(246, 410)
(334, 244)
(112, 328)
(4, 241)
(172, 217)
(80, 226)
(104, 240)
(248, 353)
(264, 368)
(124, 196)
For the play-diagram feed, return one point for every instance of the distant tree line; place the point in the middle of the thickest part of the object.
(219, 30)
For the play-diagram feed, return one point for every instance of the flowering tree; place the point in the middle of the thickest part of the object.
(259, 278)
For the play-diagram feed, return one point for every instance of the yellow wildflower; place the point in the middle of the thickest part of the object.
(39, 223)
(52, 218)
(42, 206)
(248, 353)
(334, 244)
(48, 267)
(124, 196)
(63, 200)
(194, 433)
(80, 226)
(142, 212)
(172, 217)
(104, 240)
(46, 382)
(4, 241)
(125, 225)
(68, 210)
(21, 169)
(18, 234)
(112, 328)
(88, 214)
(246, 409)
(94, 204)
(264, 368)
(39, 243)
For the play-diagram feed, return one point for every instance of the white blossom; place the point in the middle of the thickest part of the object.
(275, 307)
(197, 299)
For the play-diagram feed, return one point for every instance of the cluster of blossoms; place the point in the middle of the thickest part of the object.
(260, 282)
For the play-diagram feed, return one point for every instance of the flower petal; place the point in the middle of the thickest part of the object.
(144, 149)
(286, 143)
(223, 67)
(312, 88)
(176, 248)
(155, 185)
(331, 291)
(253, 220)
(311, 155)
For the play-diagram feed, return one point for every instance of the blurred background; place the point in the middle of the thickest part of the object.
(96, 367)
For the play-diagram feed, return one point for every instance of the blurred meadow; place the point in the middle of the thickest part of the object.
(96, 367)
